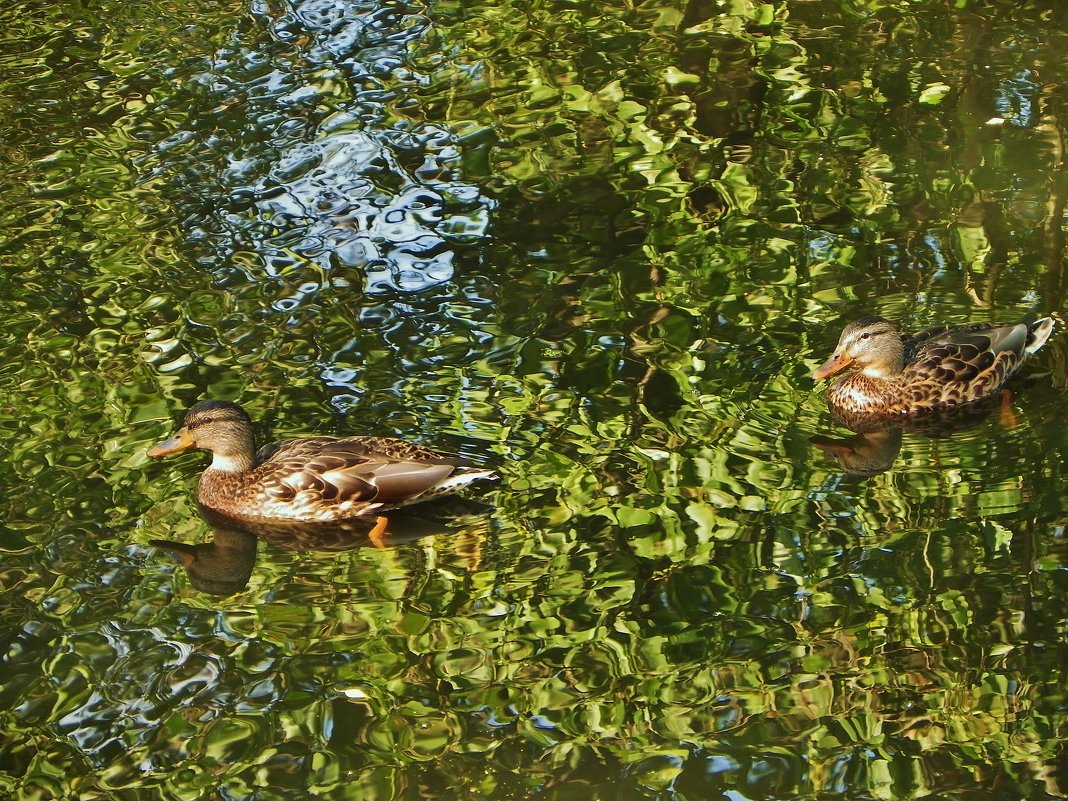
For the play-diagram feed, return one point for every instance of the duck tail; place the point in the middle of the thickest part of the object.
(1038, 332)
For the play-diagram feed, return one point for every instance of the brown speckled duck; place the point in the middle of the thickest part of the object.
(318, 479)
(935, 369)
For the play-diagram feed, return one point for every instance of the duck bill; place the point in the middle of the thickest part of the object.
(182, 441)
(833, 365)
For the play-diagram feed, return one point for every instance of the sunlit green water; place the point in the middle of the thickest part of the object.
(600, 245)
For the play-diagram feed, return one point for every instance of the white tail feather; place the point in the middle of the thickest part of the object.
(451, 485)
(1039, 332)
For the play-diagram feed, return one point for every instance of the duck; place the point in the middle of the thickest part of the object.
(310, 479)
(933, 370)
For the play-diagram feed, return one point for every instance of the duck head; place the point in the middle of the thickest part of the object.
(217, 426)
(872, 344)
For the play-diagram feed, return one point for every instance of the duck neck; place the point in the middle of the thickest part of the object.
(882, 372)
(237, 454)
(231, 462)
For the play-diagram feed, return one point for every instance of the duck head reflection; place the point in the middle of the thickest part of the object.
(863, 454)
(219, 567)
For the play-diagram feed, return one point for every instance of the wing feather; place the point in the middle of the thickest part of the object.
(969, 362)
(328, 471)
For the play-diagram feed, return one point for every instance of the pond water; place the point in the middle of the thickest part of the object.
(600, 246)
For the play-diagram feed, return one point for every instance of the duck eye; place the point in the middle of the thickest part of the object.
(866, 335)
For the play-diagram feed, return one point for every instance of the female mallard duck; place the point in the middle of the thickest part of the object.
(934, 369)
(313, 478)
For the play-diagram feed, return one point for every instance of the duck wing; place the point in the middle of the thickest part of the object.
(328, 471)
(1000, 337)
(967, 362)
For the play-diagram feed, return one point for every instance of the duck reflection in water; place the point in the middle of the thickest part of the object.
(220, 567)
(224, 565)
(876, 442)
(865, 454)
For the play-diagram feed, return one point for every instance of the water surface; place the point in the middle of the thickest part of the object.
(600, 246)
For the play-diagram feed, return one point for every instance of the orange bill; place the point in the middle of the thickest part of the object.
(182, 441)
(833, 365)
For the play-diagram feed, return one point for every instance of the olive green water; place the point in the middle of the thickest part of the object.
(601, 246)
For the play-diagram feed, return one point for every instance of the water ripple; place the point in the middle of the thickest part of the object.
(322, 171)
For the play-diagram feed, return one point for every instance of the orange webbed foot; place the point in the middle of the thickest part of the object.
(378, 534)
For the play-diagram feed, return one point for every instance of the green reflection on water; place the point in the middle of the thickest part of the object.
(603, 244)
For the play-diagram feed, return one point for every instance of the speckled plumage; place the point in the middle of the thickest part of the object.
(319, 479)
(932, 370)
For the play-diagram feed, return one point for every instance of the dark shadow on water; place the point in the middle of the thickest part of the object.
(223, 566)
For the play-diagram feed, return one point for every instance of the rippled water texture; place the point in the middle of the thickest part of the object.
(600, 246)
